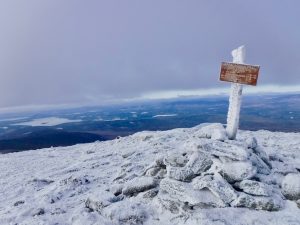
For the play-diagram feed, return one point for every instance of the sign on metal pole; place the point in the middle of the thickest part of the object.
(238, 73)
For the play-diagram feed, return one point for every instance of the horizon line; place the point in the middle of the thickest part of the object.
(157, 95)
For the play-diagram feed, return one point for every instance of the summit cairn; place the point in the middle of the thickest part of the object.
(226, 173)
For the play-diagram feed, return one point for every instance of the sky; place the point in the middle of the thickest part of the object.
(80, 52)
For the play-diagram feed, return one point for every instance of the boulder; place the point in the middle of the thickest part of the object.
(283, 168)
(215, 131)
(237, 171)
(291, 186)
(184, 193)
(260, 165)
(217, 185)
(199, 162)
(180, 173)
(258, 150)
(176, 160)
(138, 184)
(254, 188)
(273, 203)
(222, 149)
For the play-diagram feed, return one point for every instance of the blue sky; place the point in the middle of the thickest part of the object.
(74, 52)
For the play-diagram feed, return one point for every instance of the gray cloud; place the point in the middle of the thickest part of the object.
(55, 52)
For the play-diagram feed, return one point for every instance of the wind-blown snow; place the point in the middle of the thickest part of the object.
(49, 121)
(61, 185)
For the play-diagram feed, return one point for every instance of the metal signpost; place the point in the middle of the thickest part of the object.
(238, 73)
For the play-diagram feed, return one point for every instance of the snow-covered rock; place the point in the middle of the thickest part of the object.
(222, 149)
(198, 163)
(291, 186)
(254, 188)
(214, 131)
(260, 165)
(176, 160)
(139, 184)
(217, 185)
(185, 193)
(273, 203)
(180, 173)
(237, 171)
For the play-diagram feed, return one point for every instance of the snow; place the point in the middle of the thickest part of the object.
(291, 186)
(48, 121)
(62, 185)
(13, 119)
(164, 115)
(114, 119)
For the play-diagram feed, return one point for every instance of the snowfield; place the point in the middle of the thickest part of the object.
(49, 121)
(181, 176)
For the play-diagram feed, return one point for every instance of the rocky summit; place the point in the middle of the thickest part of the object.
(181, 176)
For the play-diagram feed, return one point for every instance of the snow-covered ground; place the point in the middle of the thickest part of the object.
(48, 121)
(181, 176)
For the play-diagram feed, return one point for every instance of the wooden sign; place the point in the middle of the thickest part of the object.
(239, 73)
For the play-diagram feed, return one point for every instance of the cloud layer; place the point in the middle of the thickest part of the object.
(57, 52)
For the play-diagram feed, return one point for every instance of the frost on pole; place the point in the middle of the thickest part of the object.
(235, 99)
(238, 73)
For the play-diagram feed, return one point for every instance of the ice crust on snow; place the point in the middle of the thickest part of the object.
(181, 176)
